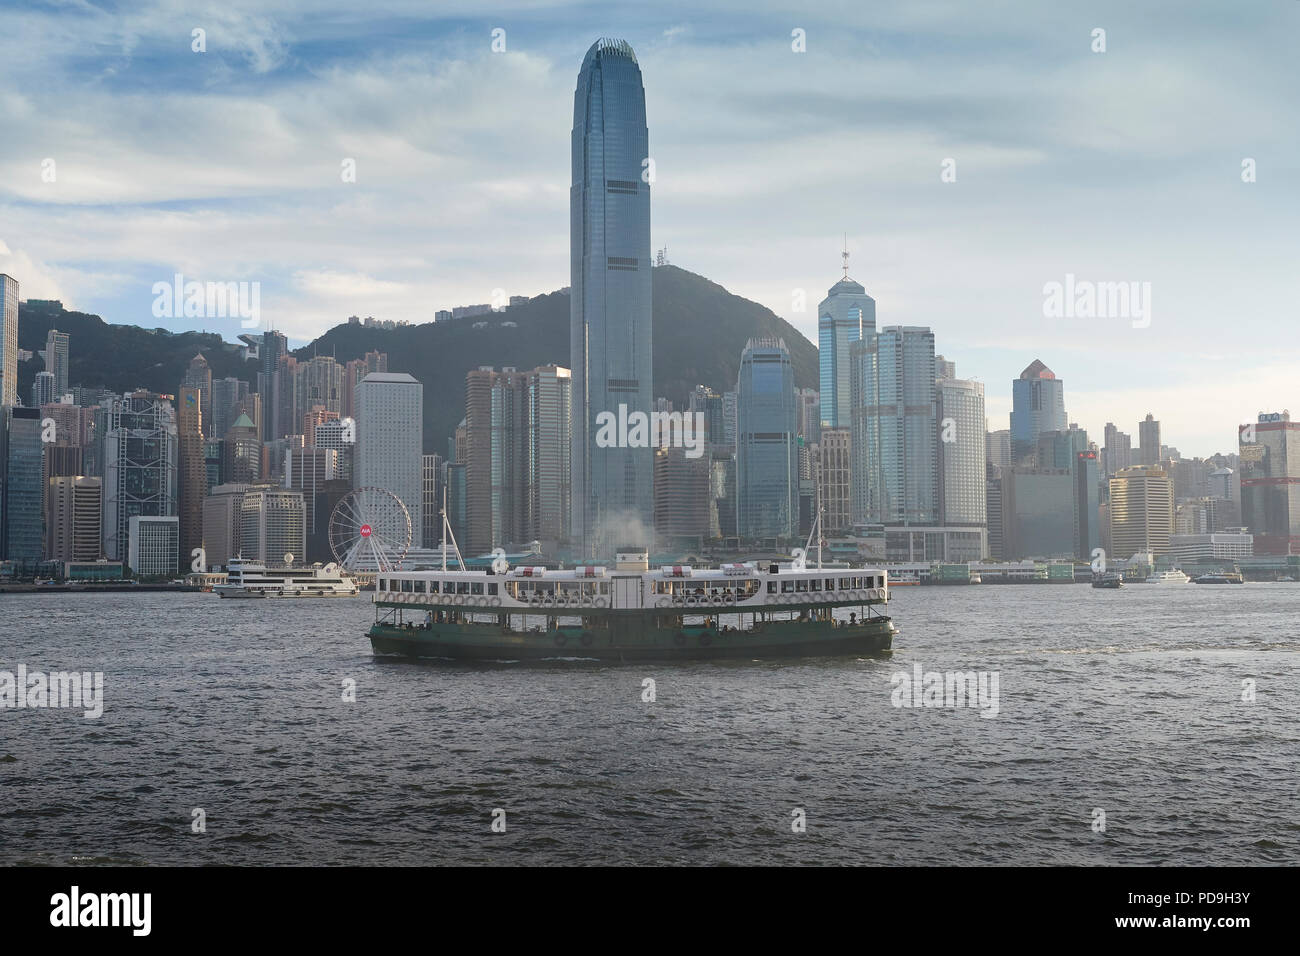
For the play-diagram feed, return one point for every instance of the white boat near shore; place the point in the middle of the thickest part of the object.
(1172, 576)
(252, 579)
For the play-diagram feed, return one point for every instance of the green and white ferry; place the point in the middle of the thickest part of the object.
(630, 612)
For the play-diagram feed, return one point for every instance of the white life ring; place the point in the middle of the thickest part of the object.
(728, 599)
(599, 602)
(494, 601)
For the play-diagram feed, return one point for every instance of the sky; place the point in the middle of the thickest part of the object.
(972, 154)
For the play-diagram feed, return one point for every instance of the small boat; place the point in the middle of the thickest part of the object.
(1109, 580)
(1172, 576)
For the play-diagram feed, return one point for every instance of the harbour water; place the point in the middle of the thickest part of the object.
(1126, 703)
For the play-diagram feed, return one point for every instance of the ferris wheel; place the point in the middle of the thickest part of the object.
(370, 530)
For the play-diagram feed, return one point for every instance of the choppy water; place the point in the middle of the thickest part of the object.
(1126, 701)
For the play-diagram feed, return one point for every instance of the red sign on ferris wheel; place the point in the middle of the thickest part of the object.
(365, 531)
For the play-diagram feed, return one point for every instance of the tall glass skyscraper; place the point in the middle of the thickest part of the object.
(895, 465)
(609, 343)
(1037, 406)
(767, 443)
(8, 340)
(845, 316)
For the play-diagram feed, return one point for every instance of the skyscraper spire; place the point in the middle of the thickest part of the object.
(845, 255)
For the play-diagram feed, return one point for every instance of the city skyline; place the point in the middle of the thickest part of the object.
(737, 197)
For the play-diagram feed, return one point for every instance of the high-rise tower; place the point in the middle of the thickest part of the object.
(845, 316)
(609, 325)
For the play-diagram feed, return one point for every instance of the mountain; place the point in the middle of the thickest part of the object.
(699, 331)
(121, 357)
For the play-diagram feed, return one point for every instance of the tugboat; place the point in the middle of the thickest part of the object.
(632, 613)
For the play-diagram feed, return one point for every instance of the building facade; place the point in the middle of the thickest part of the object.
(389, 433)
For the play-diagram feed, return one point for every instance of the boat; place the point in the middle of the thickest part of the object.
(252, 579)
(1110, 579)
(1171, 576)
(629, 612)
(1219, 577)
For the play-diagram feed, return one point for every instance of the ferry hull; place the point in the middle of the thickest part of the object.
(775, 639)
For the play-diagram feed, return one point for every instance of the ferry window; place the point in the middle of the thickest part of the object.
(383, 584)
(462, 587)
(830, 584)
(801, 585)
(844, 584)
(476, 587)
(815, 584)
(604, 587)
(492, 589)
(771, 587)
(787, 586)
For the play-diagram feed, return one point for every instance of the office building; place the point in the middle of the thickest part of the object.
(847, 315)
(834, 455)
(42, 389)
(767, 443)
(198, 376)
(273, 526)
(73, 505)
(8, 340)
(153, 545)
(610, 315)
(56, 360)
(191, 467)
(272, 349)
(222, 511)
(136, 444)
(389, 439)
(1149, 451)
(1037, 406)
(1141, 505)
(242, 452)
(21, 485)
(895, 458)
(1037, 513)
(962, 449)
(1270, 482)
(681, 498)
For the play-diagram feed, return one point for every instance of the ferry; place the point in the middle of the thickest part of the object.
(251, 579)
(1109, 580)
(1219, 577)
(1172, 576)
(631, 612)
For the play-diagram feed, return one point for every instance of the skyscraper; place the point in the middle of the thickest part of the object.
(1270, 482)
(274, 346)
(834, 480)
(21, 518)
(272, 524)
(72, 518)
(895, 460)
(1037, 406)
(389, 433)
(42, 389)
(192, 468)
(56, 360)
(1141, 508)
(1149, 441)
(962, 452)
(845, 316)
(767, 443)
(517, 433)
(199, 376)
(136, 438)
(8, 340)
(609, 325)
(1118, 451)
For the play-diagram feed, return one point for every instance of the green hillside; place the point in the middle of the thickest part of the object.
(699, 331)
